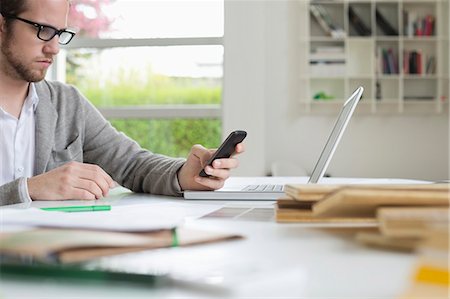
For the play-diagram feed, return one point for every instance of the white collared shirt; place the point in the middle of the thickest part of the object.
(17, 141)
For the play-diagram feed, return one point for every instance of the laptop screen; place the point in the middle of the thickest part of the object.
(335, 136)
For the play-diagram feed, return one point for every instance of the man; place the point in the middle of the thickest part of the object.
(54, 144)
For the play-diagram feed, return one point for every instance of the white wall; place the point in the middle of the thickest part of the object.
(261, 92)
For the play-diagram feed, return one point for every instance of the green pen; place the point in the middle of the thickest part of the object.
(79, 208)
(175, 241)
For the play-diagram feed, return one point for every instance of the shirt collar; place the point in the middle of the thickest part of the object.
(32, 98)
(31, 101)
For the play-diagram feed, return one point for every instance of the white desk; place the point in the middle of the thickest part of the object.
(274, 260)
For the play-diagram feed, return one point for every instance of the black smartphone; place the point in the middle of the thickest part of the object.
(226, 149)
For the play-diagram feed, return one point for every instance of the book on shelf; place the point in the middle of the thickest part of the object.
(429, 25)
(325, 21)
(387, 61)
(384, 24)
(414, 25)
(405, 62)
(430, 65)
(391, 62)
(416, 62)
(357, 23)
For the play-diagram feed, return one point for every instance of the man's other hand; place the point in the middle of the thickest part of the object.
(73, 180)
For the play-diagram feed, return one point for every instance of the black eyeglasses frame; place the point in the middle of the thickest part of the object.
(40, 27)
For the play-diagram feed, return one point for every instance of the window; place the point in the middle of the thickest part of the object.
(153, 68)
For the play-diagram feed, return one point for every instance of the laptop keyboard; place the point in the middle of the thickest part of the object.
(264, 188)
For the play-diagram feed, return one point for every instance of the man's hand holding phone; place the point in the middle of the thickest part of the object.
(208, 169)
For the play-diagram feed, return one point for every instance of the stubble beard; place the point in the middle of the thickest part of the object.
(14, 65)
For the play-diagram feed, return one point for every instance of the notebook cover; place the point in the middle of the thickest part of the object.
(71, 246)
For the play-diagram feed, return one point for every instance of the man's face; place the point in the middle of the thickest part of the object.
(23, 56)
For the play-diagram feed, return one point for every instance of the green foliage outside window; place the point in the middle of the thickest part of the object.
(173, 137)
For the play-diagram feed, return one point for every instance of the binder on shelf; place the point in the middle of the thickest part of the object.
(387, 28)
(315, 12)
(325, 21)
(357, 23)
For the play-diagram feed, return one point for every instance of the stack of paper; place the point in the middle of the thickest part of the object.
(72, 246)
(59, 237)
(354, 203)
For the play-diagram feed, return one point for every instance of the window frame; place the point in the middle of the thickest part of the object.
(149, 111)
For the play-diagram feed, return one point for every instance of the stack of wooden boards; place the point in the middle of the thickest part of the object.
(405, 217)
(355, 203)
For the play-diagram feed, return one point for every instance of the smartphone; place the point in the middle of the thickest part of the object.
(226, 149)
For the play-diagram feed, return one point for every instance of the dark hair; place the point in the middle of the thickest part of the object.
(13, 7)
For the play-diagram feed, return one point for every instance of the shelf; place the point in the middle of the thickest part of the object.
(424, 39)
(326, 39)
(420, 101)
(314, 77)
(420, 77)
(360, 77)
(375, 54)
(388, 102)
(386, 38)
(328, 102)
(387, 77)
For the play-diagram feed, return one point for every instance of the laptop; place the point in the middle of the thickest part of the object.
(273, 188)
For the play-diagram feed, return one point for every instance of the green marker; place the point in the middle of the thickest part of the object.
(79, 208)
(175, 241)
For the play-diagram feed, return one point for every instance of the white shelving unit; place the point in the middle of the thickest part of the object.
(391, 92)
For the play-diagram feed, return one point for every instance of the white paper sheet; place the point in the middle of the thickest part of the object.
(123, 218)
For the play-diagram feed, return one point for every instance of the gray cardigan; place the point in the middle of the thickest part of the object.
(69, 128)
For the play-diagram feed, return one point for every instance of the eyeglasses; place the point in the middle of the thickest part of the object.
(45, 32)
